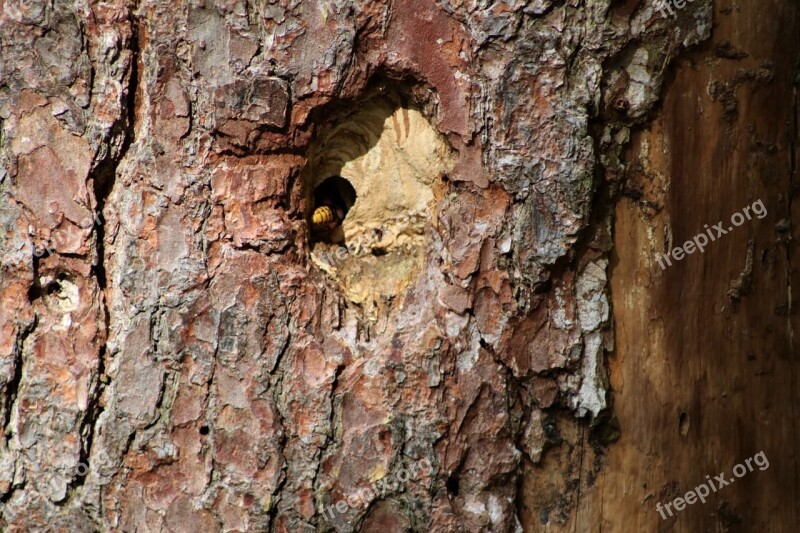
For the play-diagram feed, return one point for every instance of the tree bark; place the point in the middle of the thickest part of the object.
(181, 349)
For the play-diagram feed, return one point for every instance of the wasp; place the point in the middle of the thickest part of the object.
(326, 218)
(332, 199)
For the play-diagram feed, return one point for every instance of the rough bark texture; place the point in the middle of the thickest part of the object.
(704, 374)
(172, 359)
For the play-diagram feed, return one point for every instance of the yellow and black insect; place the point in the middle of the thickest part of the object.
(332, 199)
(326, 218)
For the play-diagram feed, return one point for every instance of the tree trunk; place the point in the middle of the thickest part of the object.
(391, 266)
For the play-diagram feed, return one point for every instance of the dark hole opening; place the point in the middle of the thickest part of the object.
(683, 423)
(55, 285)
(52, 287)
(204, 430)
(452, 484)
(37, 290)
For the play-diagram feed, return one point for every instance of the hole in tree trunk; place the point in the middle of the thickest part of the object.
(373, 179)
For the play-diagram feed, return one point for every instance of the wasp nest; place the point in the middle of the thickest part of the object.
(372, 180)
